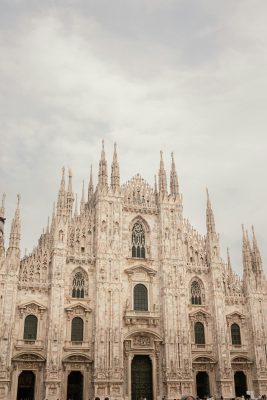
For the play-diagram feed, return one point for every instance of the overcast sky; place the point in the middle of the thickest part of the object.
(182, 76)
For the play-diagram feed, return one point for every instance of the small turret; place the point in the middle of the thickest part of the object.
(61, 200)
(14, 239)
(256, 256)
(174, 186)
(91, 186)
(115, 171)
(229, 265)
(102, 174)
(162, 178)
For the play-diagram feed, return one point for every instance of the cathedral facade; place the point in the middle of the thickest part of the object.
(123, 299)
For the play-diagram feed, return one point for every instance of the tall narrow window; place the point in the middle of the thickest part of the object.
(235, 333)
(199, 333)
(138, 241)
(140, 298)
(195, 293)
(77, 329)
(78, 285)
(30, 327)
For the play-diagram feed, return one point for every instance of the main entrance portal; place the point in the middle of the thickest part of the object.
(26, 384)
(142, 378)
(203, 384)
(75, 386)
(240, 383)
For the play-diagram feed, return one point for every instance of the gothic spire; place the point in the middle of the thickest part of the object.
(69, 195)
(2, 224)
(102, 174)
(115, 171)
(246, 252)
(91, 186)
(210, 217)
(256, 253)
(162, 177)
(14, 239)
(82, 200)
(61, 199)
(174, 186)
(229, 265)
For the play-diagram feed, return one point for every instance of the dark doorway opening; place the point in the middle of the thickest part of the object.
(142, 378)
(75, 386)
(240, 383)
(26, 385)
(203, 384)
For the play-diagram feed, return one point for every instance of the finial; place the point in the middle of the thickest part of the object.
(155, 187)
(18, 200)
(3, 200)
(70, 172)
(161, 155)
(76, 205)
(172, 156)
(208, 196)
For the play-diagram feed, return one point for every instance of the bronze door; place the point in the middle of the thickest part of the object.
(142, 378)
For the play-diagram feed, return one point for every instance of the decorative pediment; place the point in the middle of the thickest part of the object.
(140, 272)
(77, 358)
(30, 357)
(78, 309)
(241, 360)
(31, 307)
(205, 360)
(235, 317)
(199, 316)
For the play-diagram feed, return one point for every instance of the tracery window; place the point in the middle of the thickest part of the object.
(77, 329)
(138, 241)
(79, 285)
(195, 293)
(199, 333)
(140, 298)
(30, 327)
(235, 334)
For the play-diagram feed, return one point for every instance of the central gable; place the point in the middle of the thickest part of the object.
(138, 196)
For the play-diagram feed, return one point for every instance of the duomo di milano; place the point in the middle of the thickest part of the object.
(123, 299)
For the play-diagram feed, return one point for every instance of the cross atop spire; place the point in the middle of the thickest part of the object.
(115, 171)
(174, 186)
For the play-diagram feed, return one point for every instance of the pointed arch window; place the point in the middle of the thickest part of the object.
(138, 241)
(77, 329)
(79, 285)
(30, 327)
(196, 293)
(140, 298)
(199, 333)
(235, 334)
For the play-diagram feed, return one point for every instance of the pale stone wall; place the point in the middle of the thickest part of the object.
(98, 241)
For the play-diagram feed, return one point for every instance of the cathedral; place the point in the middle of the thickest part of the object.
(123, 299)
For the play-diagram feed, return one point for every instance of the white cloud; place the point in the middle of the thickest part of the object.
(149, 76)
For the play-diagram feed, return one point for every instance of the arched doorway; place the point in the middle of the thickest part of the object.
(75, 386)
(203, 384)
(142, 378)
(240, 383)
(26, 386)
